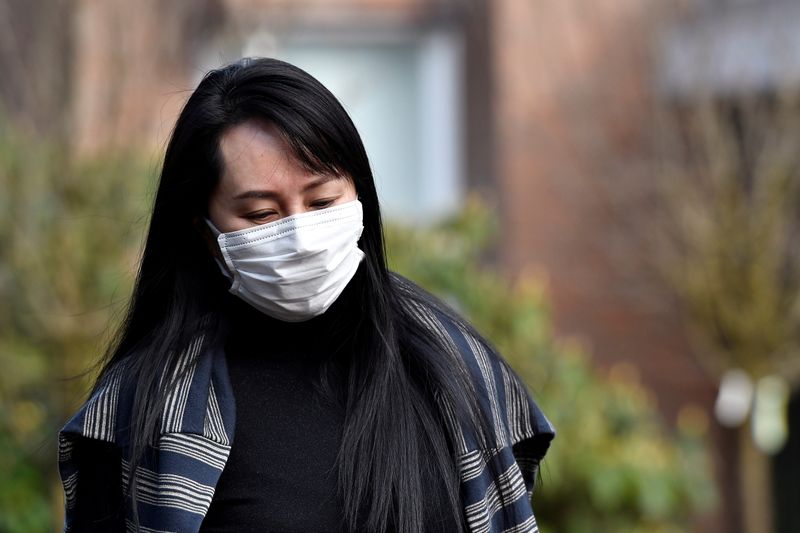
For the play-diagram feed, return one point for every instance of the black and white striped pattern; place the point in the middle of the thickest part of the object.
(70, 483)
(196, 447)
(214, 425)
(490, 385)
(101, 411)
(480, 512)
(130, 527)
(172, 417)
(65, 447)
(517, 408)
(526, 526)
(170, 490)
(473, 464)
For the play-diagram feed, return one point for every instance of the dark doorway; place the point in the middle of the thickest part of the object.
(786, 474)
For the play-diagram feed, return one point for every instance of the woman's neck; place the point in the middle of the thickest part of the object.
(331, 330)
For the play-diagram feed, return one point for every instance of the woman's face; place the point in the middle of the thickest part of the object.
(262, 182)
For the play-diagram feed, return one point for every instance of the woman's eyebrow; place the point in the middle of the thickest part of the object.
(325, 178)
(269, 195)
(256, 194)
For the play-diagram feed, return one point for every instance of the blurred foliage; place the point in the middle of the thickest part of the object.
(727, 225)
(68, 237)
(70, 232)
(614, 466)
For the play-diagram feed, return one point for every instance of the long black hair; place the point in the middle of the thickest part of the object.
(396, 384)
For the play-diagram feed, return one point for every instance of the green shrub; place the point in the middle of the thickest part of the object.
(69, 232)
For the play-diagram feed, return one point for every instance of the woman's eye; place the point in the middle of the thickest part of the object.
(319, 204)
(261, 216)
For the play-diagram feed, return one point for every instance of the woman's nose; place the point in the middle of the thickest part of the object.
(294, 208)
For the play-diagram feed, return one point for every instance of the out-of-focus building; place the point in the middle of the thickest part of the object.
(737, 53)
(543, 106)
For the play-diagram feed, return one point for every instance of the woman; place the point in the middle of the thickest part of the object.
(271, 373)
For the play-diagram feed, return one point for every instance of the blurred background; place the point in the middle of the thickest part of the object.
(609, 189)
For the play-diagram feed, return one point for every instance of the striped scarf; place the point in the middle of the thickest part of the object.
(177, 477)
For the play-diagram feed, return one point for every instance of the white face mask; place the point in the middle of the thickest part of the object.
(294, 268)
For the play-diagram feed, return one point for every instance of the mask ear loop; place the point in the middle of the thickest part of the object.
(211, 225)
(222, 266)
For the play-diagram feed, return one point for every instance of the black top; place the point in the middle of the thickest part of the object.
(281, 472)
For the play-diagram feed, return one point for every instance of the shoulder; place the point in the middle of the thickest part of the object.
(194, 427)
(195, 390)
(501, 393)
(505, 397)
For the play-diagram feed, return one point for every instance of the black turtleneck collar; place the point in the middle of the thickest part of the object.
(331, 331)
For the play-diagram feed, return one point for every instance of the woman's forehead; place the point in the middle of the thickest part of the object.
(254, 154)
(259, 163)
(254, 145)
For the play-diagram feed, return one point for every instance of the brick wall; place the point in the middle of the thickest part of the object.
(572, 111)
